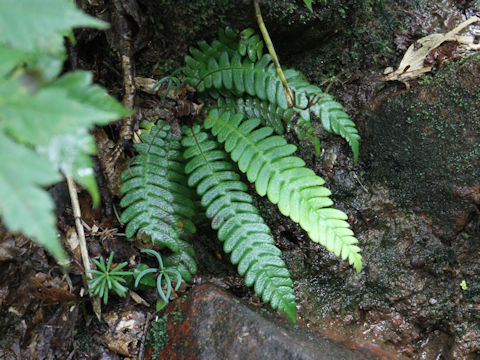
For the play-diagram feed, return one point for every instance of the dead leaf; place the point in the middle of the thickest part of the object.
(125, 331)
(412, 65)
(137, 298)
(51, 290)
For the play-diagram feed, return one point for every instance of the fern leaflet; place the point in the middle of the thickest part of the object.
(243, 232)
(267, 162)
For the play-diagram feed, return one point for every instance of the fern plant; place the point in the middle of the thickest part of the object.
(239, 132)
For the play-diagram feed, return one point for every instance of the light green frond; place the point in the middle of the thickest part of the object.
(298, 192)
(244, 234)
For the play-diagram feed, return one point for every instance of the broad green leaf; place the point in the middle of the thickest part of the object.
(49, 64)
(56, 120)
(9, 58)
(36, 118)
(79, 87)
(70, 153)
(24, 206)
(34, 24)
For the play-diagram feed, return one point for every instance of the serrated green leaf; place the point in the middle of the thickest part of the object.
(9, 58)
(24, 206)
(53, 110)
(34, 24)
(56, 120)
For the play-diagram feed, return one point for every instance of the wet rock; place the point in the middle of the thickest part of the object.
(210, 324)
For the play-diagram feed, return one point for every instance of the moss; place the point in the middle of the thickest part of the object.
(157, 336)
(425, 139)
(346, 44)
(177, 317)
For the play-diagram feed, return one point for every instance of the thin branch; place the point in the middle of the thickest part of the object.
(72, 189)
(273, 54)
(141, 353)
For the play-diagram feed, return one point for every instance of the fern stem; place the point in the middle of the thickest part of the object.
(273, 54)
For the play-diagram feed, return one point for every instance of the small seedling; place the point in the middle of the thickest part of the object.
(162, 273)
(108, 278)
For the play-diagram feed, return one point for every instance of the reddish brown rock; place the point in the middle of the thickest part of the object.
(210, 324)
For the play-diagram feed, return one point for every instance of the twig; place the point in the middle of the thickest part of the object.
(72, 189)
(141, 353)
(273, 54)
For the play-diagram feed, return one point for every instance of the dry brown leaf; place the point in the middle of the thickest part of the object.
(412, 64)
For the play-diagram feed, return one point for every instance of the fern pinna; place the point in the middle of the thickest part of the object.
(242, 126)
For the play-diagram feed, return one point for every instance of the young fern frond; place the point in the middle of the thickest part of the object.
(157, 199)
(218, 70)
(267, 162)
(244, 234)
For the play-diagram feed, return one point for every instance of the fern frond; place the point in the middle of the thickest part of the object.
(331, 113)
(267, 162)
(219, 71)
(157, 200)
(244, 234)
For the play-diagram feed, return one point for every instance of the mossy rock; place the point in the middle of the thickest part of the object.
(425, 145)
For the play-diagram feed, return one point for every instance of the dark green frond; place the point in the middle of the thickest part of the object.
(244, 234)
(267, 162)
(218, 70)
(157, 200)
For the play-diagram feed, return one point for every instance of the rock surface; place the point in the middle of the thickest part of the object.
(210, 324)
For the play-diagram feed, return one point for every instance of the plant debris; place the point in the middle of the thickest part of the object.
(428, 52)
